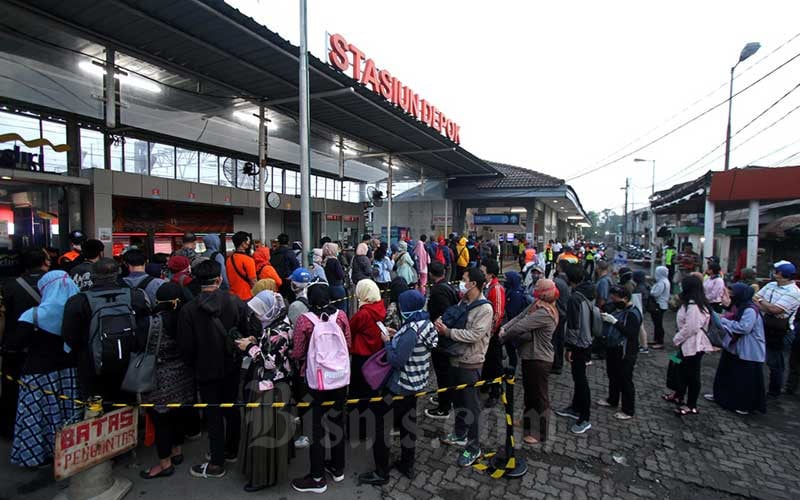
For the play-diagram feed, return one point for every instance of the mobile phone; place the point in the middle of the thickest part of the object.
(383, 328)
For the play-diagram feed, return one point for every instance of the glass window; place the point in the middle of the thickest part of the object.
(277, 179)
(56, 133)
(209, 168)
(291, 182)
(162, 160)
(25, 126)
(313, 188)
(186, 164)
(227, 171)
(92, 150)
(136, 155)
(329, 189)
(337, 190)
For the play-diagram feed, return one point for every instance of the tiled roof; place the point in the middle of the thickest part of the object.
(517, 177)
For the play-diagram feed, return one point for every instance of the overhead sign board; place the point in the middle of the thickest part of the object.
(346, 56)
(496, 219)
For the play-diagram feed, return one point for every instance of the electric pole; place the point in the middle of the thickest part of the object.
(625, 212)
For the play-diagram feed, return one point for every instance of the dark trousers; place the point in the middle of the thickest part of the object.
(224, 424)
(588, 266)
(690, 379)
(671, 275)
(582, 396)
(776, 364)
(537, 398)
(620, 379)
(466, 404)
(403, 415)
(169, 430)
(335, 429)
(547, 268)
(493, 365)
(658, 328)
(793, 379)
(359, 414)
(441, 366)
(558, 345)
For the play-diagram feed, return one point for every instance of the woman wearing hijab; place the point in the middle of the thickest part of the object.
(264, 269)
(361, 267)
(265, 447)
(383, 267)
(319, 305)
(334, 274)
(408, 351)
(265, 284)
(366, 342)
(639, 298)
(533, 330)
(739, 381)
(404, 265)
(316, 269)
(693, 320)
(396, 287)
(174, 384)
(48, 367)
(423, 259)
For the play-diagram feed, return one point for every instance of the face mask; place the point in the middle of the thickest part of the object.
(408, 314)
(462, 287)
(619, 305)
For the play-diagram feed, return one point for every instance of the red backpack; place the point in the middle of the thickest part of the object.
(439, 256)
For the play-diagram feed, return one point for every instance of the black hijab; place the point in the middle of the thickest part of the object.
(319, 299)
(170, 300)
(396, 287)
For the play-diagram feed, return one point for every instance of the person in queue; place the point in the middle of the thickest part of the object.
(92, 251)
(366, 341)
(137, 278)
(207, 327)
(300, 278)
(404, 264)
(442, 296)
(532, 330)
(335, 274)
(361, 266)
(466, 368)
(739, 379)
(188, 246)
(215, 250)
(317, 271)
(284, 261)
(320, 308)
(241, 268)
(18, 295)
(396, 287)
(174, 384)
(693, 320)
(660, 293)
(264, 269)
(265, 448)
(408, 352)
(493, 365)
(559, 336)
(49, 372)
(74, 255)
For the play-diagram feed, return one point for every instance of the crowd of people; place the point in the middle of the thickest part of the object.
(259, 326)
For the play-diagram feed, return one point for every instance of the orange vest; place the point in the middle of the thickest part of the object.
(69, 256)
(530, 254)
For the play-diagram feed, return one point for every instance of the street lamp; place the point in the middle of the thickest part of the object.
(748, 50)
(652, 219)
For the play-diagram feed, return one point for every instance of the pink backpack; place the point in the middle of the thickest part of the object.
(328, 359)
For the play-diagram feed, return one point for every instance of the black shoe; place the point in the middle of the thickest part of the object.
(336, 474)
(249, 488)
(406, 470)
(372, 478)
(307, 484)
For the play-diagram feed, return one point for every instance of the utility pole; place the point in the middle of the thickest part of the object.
(625, 212)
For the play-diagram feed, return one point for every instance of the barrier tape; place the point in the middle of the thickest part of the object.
(484, 464)
(386, 292)
(99, 405)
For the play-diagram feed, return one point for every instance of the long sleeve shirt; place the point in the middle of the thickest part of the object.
(714, 287)
(745, 337)
(534, 331)
(496, 295)
(476, 335)
(301, 337)
(692, 327)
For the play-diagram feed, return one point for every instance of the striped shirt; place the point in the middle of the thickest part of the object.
(414, 375)
(787, 297)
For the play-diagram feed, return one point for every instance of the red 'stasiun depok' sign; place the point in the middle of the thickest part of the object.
(344, 56)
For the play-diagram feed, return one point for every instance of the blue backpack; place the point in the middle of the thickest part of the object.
(455, 316)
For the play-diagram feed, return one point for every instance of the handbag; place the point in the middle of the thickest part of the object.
(651, 305)
(140, 376)
(376, 370)
(674, 381)
(715, 333)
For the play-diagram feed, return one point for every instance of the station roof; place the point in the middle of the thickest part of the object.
(229, 52)
(517, 177)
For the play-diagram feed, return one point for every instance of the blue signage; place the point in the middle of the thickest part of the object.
(496, 219)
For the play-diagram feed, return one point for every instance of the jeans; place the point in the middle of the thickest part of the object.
(335, 430)
(690, 379)
(620, 379)
(582, 396)
(775, 362)
(403, 414)
(224, 424)
(467, 406)
(658, 328)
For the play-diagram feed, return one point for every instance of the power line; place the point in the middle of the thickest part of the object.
(682, 125)
(786, 159)
(751, 162)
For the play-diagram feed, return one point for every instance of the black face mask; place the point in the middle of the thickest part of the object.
(620, 305)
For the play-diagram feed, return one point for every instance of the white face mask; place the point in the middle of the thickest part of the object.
(462, 287)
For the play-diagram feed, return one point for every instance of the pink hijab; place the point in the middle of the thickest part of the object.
(422, 256)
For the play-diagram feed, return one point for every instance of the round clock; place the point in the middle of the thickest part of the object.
(273, 200)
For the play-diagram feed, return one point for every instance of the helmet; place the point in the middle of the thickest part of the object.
(77, 237)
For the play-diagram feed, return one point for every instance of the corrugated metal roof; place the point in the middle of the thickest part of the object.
(212, 41)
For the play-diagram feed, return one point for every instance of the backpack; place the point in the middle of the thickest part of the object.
(328, 359)
(112, 330)
(455, 316)
(439, 254)
(197, 259)
(143, 284)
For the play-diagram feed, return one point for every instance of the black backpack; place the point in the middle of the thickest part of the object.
(455, 316)
(112, 330)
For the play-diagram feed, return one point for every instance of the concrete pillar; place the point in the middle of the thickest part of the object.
(752, 233)
(530, 220)
(724, 244)
(708, 230)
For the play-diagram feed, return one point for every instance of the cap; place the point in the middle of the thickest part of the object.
(786, 268)
(713, 258)
(189, 237)
(300, 276)
(77, 237)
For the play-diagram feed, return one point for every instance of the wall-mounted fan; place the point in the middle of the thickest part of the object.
(375, 196)
(229, 170)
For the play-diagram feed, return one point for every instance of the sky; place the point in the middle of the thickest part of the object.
(565, 87)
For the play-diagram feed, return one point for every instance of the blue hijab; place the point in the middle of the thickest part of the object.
(742, 297)
(412, 306)
(56, 288)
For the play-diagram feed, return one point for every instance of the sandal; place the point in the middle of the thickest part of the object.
(145, 474)
(530, 440)
(685, 410)
(672, 398)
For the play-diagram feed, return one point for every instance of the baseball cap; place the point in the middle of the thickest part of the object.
(77, 237)
(300, 276)
(713, 258)
(189, 237)
(786, 268)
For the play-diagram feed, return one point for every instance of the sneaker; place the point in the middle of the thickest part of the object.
(372, 478)
(230, 458)
(567, 412)
(308, 484)
(336, 474)
(302, 442)
(604, 403)
(207, 471)
(580, 427)
(434, 400)
(708, 397)
(467, 457)
(589, 363)
(742, 412)
(453, 440)
(620, 415)
(437, 414)
(644, 350)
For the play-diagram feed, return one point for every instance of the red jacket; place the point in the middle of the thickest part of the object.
(496, 295)
(364, 329)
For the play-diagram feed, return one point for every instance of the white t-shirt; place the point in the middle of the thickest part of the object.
(787, 297)
(556, 247)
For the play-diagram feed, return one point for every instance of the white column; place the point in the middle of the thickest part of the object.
(305, 146)
(752, 233)
(708, 230)
(262, 165)
(389, 203)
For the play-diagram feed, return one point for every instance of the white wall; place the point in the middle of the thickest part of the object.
(417, 215)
